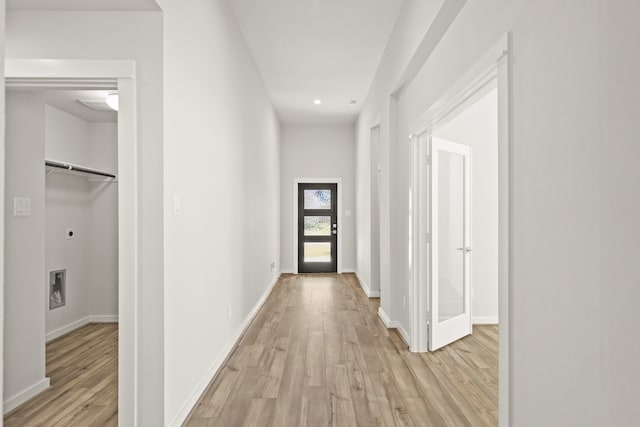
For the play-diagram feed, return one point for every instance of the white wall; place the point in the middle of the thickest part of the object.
(222, 193)
(89, 206)
(317, 152)
(573, 208)
(24, 352)
(477, 127)
(411, 25)
(619, 206)
(90, 35)
(67, 207)
(103, 223)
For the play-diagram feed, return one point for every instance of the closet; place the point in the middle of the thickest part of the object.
(81, 258)
(61, 227)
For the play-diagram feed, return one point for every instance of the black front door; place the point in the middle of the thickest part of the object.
(317, 228)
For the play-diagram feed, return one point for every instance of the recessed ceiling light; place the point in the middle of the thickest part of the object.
(353, 102)
(317, 101)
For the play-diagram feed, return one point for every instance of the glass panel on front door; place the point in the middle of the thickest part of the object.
(317, 228)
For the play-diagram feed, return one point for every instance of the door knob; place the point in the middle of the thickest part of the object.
(466, 249)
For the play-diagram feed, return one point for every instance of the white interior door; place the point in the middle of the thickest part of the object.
(450, 278)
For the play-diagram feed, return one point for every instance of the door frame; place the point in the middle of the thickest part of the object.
(296, 181)
(117, 75)
(493, 68)
(374, 226)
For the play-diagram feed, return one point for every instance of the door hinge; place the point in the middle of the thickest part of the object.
(428, 159)
(428, 237)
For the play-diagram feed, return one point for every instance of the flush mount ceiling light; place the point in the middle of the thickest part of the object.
(353, 102)
(317, 101)
(96, 104)
(112, 101)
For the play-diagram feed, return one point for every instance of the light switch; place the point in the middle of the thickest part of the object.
(21, 206)
(177, 205)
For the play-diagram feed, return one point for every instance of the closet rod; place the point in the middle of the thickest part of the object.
(75, 168)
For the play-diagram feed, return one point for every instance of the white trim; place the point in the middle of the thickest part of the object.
(190, 403)
(57, 333)
(69, 73)
(377, 122)
(403, 333)
(484, 320)
(30, 392)
(365, 287)
(69, 69)
(393, 324)
(296, 181)
(66, 329)
(505, 209)
(464, 91)
(104, 318)
(287, 272)
(385, 319)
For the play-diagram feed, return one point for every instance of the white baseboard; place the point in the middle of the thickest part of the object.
(385, 319)
(217, 363)
(287, 272)
(403, 333)
(365, 287)
(393, 324)
(484, 320)
(13, 402)
(66, 329)
(79, 323)
(104, 318)
(348, 270)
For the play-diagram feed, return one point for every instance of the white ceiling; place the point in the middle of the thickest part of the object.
(67, 100)
(308, 49)
(87, 5)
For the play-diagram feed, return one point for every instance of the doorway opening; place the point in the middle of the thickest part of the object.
(486, 84)
(88, 186)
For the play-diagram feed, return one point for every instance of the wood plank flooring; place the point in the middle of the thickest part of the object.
(318, 355)
(83, 368)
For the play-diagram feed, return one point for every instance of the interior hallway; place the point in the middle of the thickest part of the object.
(318, 354)
(83, 368)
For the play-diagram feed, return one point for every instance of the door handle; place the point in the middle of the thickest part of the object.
(466, 249)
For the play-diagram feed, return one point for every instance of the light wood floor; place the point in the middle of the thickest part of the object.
(317, 355)
(83, 368)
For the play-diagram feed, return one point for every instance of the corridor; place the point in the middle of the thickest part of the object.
(317, 354)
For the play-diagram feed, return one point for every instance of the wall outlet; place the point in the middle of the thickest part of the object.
(404, 302)
(273, 265)
(70, 233)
